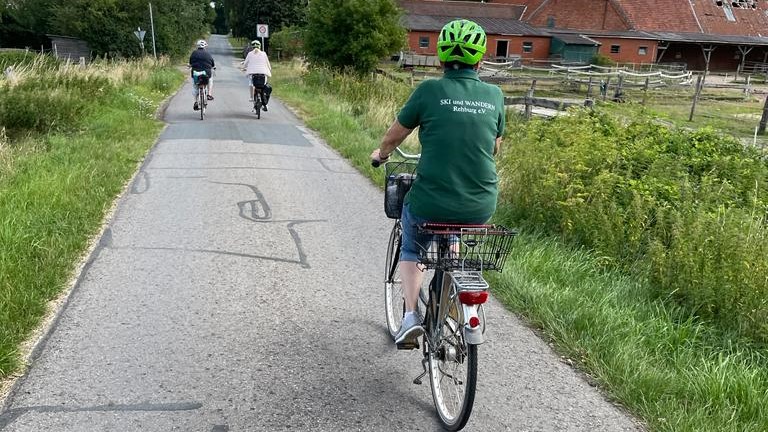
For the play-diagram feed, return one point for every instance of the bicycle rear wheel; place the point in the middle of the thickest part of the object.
(452, 367)
(257, 103)
(201, 94)
(394, 297)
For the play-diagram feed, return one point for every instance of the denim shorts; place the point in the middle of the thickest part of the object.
(413, 242)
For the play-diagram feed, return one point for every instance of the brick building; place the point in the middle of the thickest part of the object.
(701, 34)
(508, 36)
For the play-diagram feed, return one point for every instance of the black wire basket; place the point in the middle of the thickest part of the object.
(399, 178)
(466, 247)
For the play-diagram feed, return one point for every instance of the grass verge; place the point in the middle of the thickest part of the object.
(672, 371)
(56, 186)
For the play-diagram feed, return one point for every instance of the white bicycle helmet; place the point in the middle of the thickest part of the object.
(256, 43)
(202, 44)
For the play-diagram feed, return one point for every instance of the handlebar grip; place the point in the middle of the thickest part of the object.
(375, 163)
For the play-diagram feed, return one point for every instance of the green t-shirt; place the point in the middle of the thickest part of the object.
(459, 118)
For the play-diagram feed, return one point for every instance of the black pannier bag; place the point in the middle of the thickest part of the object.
(259, 80)
(397, 186)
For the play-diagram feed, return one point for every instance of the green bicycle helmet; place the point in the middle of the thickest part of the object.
(461, 41)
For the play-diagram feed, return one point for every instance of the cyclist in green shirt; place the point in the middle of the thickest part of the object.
(460, 121)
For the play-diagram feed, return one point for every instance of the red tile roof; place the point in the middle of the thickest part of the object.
(679, 16)
(576, 14)
(466, 9)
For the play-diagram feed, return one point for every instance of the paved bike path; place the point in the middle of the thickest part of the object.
(238, 288)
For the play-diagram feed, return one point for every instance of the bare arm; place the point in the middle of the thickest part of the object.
(396, 134)
(497, 147)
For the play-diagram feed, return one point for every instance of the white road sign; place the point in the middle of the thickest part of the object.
(262, 30)
(140, 34)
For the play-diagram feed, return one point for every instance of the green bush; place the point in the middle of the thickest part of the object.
(602, 60)
(354, 34)
(684, 207)
(289, 41)
(29, 110)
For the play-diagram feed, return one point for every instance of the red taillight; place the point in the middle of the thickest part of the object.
(474, 322)
(473, 297)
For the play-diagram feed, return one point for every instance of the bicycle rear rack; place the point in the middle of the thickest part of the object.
(469, 281)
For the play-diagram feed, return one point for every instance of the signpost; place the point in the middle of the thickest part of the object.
(152, 25)
(262, 31)
(140, 36)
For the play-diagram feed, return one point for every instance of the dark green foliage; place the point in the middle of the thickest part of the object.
(353, 34)
(245, 15)
(220, 22)
(687, 207)
(289, 42)
(15, 35)
(108, 25)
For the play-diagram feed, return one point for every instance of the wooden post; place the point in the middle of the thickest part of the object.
(747, 88)
(618, 94)
(589, 88)
(528, 101)
(645, 88)
(764, 118)
(604, 89)
(699, 85)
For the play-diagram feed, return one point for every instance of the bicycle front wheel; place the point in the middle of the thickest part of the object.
(394, 297)
(452, 369)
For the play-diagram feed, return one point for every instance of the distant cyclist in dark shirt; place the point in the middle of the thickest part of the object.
(201, 61)
(461, 121)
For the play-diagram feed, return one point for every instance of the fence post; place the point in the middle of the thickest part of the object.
(699, 85)
(604, 87)
(619, 94)
(747, 88)
(528, 101)
(645, 88)
(764, 118)
(589, 88)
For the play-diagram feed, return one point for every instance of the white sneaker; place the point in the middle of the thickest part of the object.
(411, 328)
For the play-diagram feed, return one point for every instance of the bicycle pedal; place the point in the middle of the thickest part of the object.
(408, 345)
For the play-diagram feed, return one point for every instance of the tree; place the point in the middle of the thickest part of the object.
(108, 25)
(220, 22)
(353, 34)
(245, 15)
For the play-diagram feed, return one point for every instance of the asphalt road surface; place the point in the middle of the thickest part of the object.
(239, 288)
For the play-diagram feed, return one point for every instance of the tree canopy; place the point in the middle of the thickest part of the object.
(354, 34)
(245, 15)
(108, 25)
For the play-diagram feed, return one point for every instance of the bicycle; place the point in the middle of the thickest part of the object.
(201, 81)
(259, 81)
(454, 319)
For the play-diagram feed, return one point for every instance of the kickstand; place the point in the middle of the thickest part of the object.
(417, 380)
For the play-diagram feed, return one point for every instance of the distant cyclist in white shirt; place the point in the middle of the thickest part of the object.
(257, 63)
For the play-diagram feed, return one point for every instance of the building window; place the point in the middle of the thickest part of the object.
(642, 51)
(424, 42)
(527, 47)
(615, 49)
(551, 22)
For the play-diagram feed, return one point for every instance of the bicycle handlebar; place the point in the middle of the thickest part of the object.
(376, 163)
